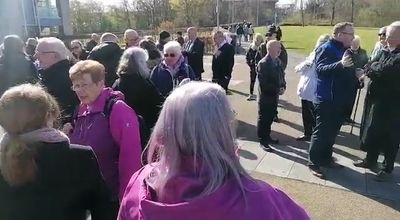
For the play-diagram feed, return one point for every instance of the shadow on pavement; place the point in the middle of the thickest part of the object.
(289, 106)
(247, 154)
(239, 92)
(246, 131)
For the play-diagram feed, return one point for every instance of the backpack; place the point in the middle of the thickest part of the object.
(144, 131)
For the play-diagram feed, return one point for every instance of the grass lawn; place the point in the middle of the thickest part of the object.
(302, 39)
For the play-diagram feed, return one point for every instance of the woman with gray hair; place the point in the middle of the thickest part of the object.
(193, 167)
(134, 83)
(172, 70)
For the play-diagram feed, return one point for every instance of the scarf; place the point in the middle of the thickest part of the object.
(46, 135)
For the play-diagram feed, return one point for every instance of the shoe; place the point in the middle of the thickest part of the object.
(383, 176)
(251, 97)
(316, 171)
(276, 119)
(364, 164)
(303, 138)
(267, 147)
(272, 141)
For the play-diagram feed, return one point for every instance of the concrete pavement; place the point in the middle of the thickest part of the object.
(290, 158)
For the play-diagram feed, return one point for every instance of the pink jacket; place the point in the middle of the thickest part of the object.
(114, 139)
(262, 201)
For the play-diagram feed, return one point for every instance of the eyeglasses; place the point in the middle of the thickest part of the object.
(348, 33)
(169, 55)
(44, 52)
(382, 34)
(81, 86)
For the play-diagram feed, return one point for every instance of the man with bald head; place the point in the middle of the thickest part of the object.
(193, 50)
(271, 84)
(131, 38)
(382, 127)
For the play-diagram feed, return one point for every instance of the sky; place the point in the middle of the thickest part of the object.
(116, 2)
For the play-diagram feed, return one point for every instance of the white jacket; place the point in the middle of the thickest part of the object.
(306, 89)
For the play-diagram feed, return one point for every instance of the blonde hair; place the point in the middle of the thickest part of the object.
(321, 40)
(95, 69)
(186, 129)
(23, 108)
(258, 39)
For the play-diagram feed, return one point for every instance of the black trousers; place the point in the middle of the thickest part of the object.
(266, 112)
(349, 108)
(253, 75)
(223, 82)
(329, 119)
(307, 112)
(382, 143)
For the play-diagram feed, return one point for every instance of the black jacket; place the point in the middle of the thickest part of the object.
(194, 55)
(251, 56)
(57, 82)
(270, 77)
(16, 70)
(223, 61)
(90, 45)
(108, 54)
(68, 182)
(141, 95)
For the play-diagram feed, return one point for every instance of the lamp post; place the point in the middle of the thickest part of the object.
(217, 10)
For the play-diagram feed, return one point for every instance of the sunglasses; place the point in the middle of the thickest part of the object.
(169, 55)
(382, 34)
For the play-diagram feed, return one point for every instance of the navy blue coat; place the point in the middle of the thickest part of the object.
(335, 83)
(165, 82)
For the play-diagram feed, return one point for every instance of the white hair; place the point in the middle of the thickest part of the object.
(129, 31)
(134, 59)
(195, 122)
(56, 45)
(393, 27)
(108, 37)
(173, 46)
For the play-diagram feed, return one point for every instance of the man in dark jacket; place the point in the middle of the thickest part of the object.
(164, 37)
(107, 53)
(194, 51)
(271, 85)
(93, 42)
(16, 67)
(381, 132)
(54, 74)
(223, 61)
(336, 79)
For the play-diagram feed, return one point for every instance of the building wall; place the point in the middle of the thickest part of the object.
(11, 18)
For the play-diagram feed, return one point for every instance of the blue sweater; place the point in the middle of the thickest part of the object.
(335, 83)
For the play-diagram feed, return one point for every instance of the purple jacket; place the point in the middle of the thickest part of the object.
(262, 200)
(115, 139)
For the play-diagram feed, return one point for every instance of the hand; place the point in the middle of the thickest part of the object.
(67, 128)
(359, 73)
(347, 61)
(281, 91)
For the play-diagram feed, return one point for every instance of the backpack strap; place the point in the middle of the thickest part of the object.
(109, 105)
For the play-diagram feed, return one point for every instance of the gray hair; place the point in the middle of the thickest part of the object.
(56, 46)
(132, 61)
(186, 129)
(108, 37)
(128, 31)
(339, 27)
(77, 42)
(173, 46)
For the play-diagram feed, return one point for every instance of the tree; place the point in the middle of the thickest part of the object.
(333, 7)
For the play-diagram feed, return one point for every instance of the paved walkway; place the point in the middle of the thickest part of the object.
(290, 158)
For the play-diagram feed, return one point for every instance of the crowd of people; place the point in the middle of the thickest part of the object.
(124, 132)
(129, 132)
(331, 78)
